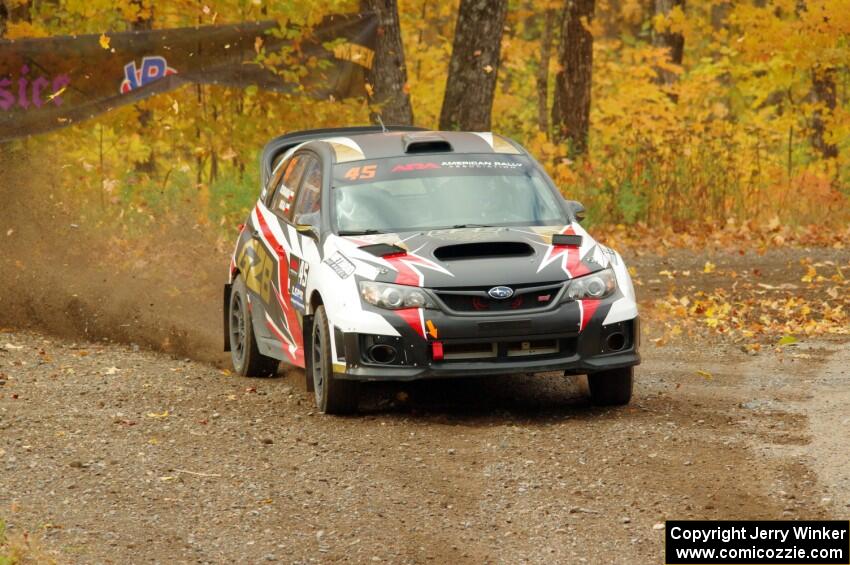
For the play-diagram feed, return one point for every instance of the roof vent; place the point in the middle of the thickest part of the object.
(426, 142)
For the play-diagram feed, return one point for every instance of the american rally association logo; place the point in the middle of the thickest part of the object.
(152, 69)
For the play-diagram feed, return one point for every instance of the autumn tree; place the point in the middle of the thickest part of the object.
(388, 77)
(13, 12)
(571, 108)
(474, 65)
(823, 92)
(672, 41)
(542, 78)
(143, 21)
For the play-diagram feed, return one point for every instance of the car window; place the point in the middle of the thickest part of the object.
(419, 193)
(293, 171)
(308, 201)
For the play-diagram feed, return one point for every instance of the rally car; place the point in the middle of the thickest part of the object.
(396, 254)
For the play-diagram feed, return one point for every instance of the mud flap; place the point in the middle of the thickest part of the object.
(226, 319)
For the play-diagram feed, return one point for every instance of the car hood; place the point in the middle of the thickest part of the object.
(476, 257)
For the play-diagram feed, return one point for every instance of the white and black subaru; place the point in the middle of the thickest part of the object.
(402, 254)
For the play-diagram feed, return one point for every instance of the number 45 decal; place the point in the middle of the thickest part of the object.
(361, 173)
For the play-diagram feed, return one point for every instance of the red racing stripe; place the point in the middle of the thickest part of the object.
(413, 319)
(588, 308)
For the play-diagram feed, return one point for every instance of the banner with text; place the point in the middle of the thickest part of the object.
(52, 82)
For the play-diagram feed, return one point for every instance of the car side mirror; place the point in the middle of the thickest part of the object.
(577, 209)
(307, 224)
(307, 229)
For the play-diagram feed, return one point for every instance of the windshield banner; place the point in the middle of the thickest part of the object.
(365, 172)
(48, 83)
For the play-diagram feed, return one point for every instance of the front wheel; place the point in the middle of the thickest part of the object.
(612, 387)
(333, 396)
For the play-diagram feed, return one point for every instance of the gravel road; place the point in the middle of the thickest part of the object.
(115, 456)
(112, 454)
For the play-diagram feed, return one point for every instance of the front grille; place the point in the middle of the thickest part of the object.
(508, 349)
(476, 299)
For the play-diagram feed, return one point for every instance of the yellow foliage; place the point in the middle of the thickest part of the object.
(729, 138)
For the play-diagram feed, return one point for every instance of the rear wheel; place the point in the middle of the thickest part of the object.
(246, 357)
(333, 396)
(612, 387)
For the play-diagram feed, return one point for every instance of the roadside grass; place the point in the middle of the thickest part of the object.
(21, 549)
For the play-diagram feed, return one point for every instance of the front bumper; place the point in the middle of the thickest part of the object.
(577, 353)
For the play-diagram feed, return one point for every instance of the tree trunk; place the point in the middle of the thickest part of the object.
(474, 66)
(673, 42)
(571, 108)
(13, 12)
(823, 92)
(4, 17)
(388, 76)
(144, 23)
(543, 72)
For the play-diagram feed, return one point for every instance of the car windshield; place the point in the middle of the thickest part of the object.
(420, 193)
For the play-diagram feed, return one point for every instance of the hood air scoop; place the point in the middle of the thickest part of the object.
(483, 250)
(425, 143)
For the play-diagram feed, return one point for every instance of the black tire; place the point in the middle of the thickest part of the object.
(333, 396)
(612, 387)
(247, 359)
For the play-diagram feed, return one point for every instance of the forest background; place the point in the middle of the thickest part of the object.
(666, 113)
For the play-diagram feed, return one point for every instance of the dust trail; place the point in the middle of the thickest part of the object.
(62, 273)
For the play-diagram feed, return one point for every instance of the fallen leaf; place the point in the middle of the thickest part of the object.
(810, 275)
(704, 374)
(787, 340)
(104, 41)
(158, 416)
(709, 267)
(111, 371)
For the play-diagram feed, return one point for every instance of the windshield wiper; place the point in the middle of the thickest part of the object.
(459, 226)
(360, 232)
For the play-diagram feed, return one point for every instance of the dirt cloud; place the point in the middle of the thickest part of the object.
(65, 271)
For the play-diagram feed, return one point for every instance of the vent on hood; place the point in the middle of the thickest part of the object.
(483, 250)
(565, 239)
(383, 249)
(425, 143)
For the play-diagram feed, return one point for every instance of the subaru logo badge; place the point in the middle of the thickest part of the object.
(501, 292)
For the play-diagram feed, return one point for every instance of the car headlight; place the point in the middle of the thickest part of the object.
(394, 296)
(600, 284)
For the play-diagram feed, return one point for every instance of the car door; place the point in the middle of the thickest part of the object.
(306, 211)
(277, 322)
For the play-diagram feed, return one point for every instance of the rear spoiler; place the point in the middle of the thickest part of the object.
(280, 145)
